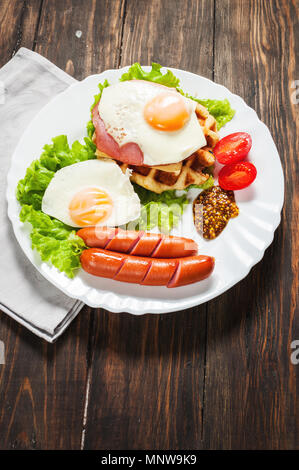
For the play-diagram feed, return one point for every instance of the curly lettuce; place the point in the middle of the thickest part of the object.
(220, 109)
(155, 75)
(206, 185)
(159, 210)
(31, 188)
(54, 241)
(164, 210)
(97, 97)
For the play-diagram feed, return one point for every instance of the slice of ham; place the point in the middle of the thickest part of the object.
(129, 153)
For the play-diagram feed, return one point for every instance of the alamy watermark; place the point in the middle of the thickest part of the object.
(295, 354)
(295, 93)
(2, 353)
(161, 215)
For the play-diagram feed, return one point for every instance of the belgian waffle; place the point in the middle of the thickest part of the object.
(180, 175)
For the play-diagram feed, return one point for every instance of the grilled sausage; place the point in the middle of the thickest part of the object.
(138, 243)
(171, 272)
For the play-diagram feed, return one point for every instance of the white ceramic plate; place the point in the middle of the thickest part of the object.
(240, 246)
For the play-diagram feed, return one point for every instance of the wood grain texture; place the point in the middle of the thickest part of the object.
(149, 371)
(215, 376)
(250, 328)
(146, 382)
(43, 387)
(100, 25)
(175, 33)
(18, 23)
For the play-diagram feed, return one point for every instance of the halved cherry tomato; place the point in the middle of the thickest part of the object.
(233, 148)
(237, 176)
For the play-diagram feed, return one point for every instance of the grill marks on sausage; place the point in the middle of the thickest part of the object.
(138, 257)
(172, 272)
(133, 269)
(138, 243)
(155, 252)
(127, 240)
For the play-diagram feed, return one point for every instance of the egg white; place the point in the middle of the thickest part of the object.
(103, 174)
(121, 108)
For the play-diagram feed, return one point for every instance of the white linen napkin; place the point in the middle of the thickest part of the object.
(27, 82)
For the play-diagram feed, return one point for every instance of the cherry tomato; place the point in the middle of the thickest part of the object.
(237, 176)
(233, 148)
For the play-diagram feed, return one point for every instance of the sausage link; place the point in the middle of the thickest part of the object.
(97, 237)
(133, 270)
(173, 272)
(192, 269)
(160, 272)
(138, 243)
(123, 239)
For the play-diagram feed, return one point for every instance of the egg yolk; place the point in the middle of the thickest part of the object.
(90, 206)
(166, 112)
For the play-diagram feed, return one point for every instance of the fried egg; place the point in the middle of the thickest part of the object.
(157, 118)
(93, 192)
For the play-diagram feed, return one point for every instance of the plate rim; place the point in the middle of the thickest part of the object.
(182, 303)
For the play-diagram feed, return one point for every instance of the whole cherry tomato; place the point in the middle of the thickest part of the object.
(237, 175)
(233, 148)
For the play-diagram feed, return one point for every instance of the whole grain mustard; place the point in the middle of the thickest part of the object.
(212, 210)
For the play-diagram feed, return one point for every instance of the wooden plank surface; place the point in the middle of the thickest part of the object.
(98, 47)
(18, 24)
(149, 371)
(216, 376)
(250, 327)
(43, 387)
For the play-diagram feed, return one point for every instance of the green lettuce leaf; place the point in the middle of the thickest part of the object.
(97, 97)
(220, 109)
(206, 185)
(55, 242)
(159, 210)
(90, 126)
(135, 72)
(162, 210)
(31, 188)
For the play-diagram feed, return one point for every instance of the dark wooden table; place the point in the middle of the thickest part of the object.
(217, 376)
